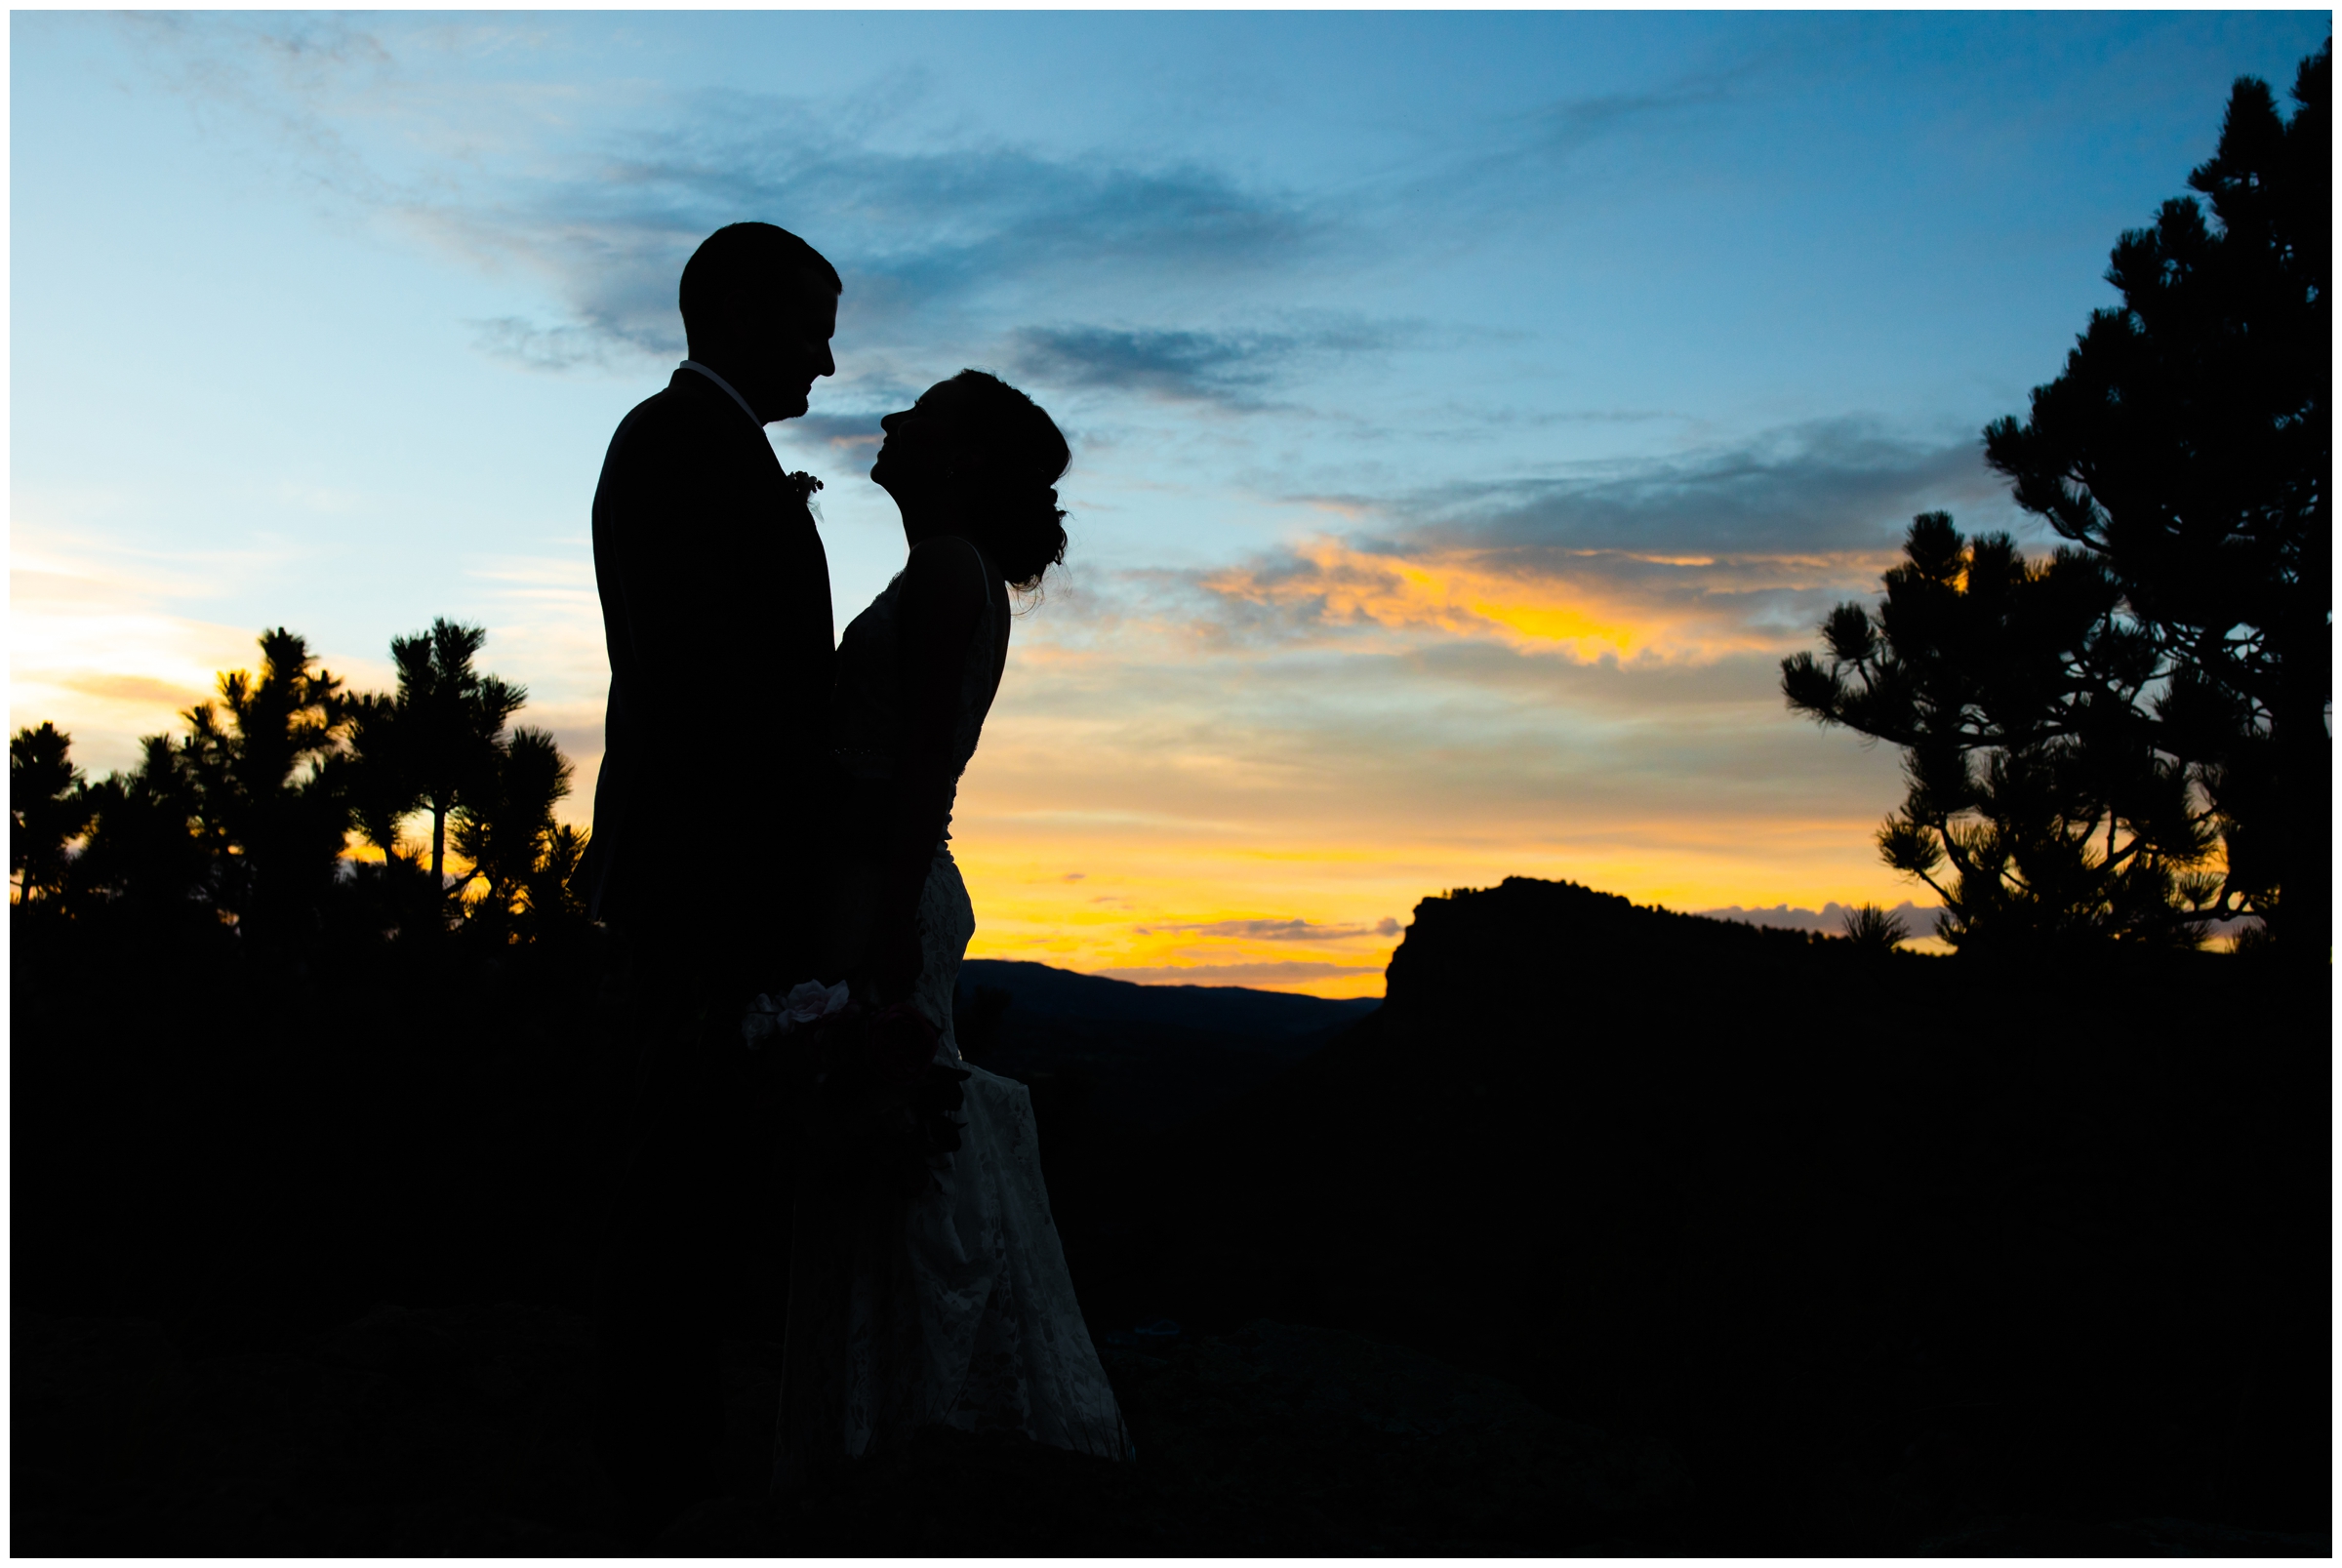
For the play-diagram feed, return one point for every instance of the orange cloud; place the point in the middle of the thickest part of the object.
(1586, 603)
(142, 691)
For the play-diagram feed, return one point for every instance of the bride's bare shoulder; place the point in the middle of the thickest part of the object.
(946, 566)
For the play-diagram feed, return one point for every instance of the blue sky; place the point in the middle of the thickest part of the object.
(1468, 410)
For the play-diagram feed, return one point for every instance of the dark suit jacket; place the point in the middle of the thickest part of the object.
(715, 604)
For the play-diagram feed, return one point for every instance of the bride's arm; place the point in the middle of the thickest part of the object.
(942, 595)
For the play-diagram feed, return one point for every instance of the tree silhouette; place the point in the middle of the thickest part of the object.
(378, 781)
(441, 737)
(243, 815)
(247, 814)
(551, 894)
(270, 811)
(506, 828)
(48, 808)
(2186, 448)
(148, 848)
(2043, 806)
(1876, 930)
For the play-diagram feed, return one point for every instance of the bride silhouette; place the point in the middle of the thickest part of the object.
(945, 1299)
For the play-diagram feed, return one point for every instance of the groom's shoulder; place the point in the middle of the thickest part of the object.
(672, 419)
(674, 407)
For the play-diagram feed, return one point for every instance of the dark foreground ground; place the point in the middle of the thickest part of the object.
(1612, 1232)
(456, 1432)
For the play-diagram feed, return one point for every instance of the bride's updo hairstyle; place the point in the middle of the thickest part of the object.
(1018, 455)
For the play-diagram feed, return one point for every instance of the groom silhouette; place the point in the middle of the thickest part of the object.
(707, 822)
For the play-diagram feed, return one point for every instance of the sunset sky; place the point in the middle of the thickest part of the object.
(1468, 411)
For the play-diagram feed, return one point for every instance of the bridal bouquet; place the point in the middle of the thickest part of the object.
(868, 1094)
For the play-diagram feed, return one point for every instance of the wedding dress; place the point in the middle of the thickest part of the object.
(953, 1307)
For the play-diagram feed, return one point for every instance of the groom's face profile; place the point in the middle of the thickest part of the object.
(774, 343)
(780, 344)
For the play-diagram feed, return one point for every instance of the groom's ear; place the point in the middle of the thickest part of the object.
(814, 299)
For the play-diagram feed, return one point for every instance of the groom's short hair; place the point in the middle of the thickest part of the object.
(744, 266)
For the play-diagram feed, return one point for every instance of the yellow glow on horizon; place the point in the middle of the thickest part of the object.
(1111, 902)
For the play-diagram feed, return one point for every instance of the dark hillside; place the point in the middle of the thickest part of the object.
(1141, 1058)
(1230, 1011)
(1885, 1244)
(1116, 1068)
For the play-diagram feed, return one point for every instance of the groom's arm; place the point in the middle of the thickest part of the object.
(718, 611)
(672, 587)
(683, 511)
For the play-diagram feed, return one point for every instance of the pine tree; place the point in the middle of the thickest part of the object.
(448, 727)
(2042, 808)
(269, 809)
(2187, 450)
(507, 830)
(378, 779)
(246, 815)
(150, 847)
(48, 807)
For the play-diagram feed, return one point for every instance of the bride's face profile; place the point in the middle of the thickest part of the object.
(916, 458)
(974, 457)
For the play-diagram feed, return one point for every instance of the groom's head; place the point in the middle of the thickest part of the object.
(760, 305)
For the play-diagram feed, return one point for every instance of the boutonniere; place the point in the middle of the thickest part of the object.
(803, 485)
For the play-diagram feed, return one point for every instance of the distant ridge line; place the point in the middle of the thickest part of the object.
(1039, 988)
(1829, 919)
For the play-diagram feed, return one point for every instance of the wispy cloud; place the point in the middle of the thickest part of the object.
(916, 234)
(396, 119)
(844, 434)
(1229, 368)
(1700, 556)
(1565, 126)
(1271, 930)
(1577, 142)
(1821, 485)
(526, 343)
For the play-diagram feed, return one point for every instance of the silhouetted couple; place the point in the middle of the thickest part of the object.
(772, 812)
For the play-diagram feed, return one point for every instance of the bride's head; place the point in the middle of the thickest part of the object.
(978, 457)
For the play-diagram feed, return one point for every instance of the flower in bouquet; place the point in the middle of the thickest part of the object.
(807, 1003)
